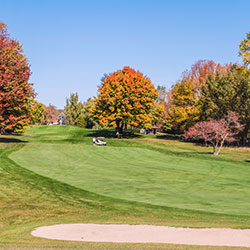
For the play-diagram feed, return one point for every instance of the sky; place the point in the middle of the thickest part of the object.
(70, 44)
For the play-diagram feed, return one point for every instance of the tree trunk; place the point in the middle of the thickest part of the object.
(215, 148)
(118, 128)
(217, 152)
(244, 135)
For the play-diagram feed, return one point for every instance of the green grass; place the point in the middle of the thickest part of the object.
(139, 174)
(53, 175)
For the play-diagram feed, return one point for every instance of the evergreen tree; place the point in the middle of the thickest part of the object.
(73, 110)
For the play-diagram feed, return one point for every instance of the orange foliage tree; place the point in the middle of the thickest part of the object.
(125, 98)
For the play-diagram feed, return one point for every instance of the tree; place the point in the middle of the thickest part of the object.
(217, 95)
(225, 92)
(215, 132)
(125, 98)
(244, 49)
(241, 102)
(183, 107)
(88, 106)
(50, 115)
(81, 121)
(73, 110)
(156, 112)
(16, 93)
(37, 112)
(202, 69)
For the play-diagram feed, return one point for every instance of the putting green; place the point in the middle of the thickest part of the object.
(144, 175)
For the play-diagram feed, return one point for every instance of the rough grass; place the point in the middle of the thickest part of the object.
(28, 199)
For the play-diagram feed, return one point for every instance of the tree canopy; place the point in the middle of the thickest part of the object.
(215, 131)
(74, 111)
(183, 110)
(244, 49)
(125, 98)
(16, 93)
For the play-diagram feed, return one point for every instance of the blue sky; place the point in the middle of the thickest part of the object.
(71, 43)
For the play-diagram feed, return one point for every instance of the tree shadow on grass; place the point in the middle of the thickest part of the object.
(169, 137)
(11, 140)
(110, 133)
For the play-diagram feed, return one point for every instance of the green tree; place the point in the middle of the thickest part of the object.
(244, 49)
(81, 121)
(242, 101)
(217, 95)
(227, 92)
(73, 110)
(88, 106)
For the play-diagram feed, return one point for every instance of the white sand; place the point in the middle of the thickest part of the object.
(145, 234)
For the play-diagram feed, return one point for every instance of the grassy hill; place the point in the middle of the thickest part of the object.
(53, 174)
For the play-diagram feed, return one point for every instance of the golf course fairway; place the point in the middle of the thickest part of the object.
(54, 175)
(140, 174)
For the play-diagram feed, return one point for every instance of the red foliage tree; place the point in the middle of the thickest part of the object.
(125, 98)
(215, 132)
(16, 92)
(202, 69)
(51, 115)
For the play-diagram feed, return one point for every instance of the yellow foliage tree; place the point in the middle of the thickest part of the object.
(183, 106)
(244, 49)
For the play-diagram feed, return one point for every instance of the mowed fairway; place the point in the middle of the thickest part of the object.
(54, 175)
(140, 174)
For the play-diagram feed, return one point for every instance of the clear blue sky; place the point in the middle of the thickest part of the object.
(71, 43)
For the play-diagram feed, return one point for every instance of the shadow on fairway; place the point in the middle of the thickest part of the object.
(11, 140)
(110, 133)
(169, 137)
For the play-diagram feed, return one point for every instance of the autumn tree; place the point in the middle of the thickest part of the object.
(202, 69)
(183, 99)
(216, 132)
(51, 115)
(183, 106)
(16, 93)
(244, 49)
(157, 112)
(37, 111)
(125, 98)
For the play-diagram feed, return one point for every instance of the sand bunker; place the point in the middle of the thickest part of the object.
(145, 234)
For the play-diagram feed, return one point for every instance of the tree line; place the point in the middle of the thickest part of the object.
(209, 97)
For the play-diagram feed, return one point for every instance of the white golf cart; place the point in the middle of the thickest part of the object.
(97, 141)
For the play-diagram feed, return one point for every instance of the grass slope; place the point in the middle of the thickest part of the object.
(139, 174)
(28, 199)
